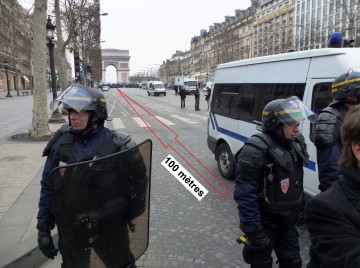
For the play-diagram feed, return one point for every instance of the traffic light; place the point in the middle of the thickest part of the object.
(77, 65)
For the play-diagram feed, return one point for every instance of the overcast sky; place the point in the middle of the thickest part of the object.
(153, 30)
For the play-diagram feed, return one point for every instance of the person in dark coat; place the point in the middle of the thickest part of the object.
(333, 217)
(269, 185)
(75, 142)
(197, 98)
(345, 91)
(182, 94)
(327, 134)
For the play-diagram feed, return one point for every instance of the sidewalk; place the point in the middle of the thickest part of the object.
(21, 167)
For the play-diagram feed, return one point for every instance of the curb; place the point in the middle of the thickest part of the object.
(25, 258)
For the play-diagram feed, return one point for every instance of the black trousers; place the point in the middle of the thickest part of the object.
(182, 102)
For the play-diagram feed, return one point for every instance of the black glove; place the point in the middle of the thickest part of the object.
(257, 240)
(46, 243)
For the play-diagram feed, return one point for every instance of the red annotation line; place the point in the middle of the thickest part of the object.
(129, 100)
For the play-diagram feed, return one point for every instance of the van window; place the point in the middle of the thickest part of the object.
(246, 101)
(321, 98)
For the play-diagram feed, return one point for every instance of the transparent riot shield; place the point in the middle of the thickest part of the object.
(102, 208)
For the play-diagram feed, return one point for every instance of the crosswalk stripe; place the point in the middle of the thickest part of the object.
(187, 120)
(117, 123)
(199, 116)
(140, 122)
(166, 122)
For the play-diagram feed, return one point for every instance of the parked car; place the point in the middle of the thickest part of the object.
(105, 88)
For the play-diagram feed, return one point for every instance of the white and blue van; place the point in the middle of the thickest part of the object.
(242, 89)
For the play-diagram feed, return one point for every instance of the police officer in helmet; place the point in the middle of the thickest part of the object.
(345, 92)
(84, 138)
(269, 185)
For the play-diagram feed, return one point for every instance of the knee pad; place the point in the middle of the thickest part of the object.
(294, 262)
(267, 264)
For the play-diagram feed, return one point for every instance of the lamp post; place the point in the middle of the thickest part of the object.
(7, 79)
(56, 116)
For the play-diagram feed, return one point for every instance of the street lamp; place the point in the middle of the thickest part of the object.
(56, 117)
(7, 79)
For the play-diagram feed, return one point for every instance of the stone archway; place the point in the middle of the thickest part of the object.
(120, 60)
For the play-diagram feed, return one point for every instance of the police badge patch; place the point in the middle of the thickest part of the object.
(285, 185)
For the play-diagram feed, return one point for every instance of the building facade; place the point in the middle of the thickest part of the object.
(267, 27)
(15, 52)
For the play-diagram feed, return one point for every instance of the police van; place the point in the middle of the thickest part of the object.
(242, 89)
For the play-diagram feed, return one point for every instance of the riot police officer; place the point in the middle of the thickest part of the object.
(327, 138)
(269, 185)
(84, 138)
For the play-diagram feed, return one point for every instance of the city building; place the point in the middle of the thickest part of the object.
(15, 53)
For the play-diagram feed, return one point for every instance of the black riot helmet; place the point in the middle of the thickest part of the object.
(290, 111)
(81, 98)
(346, 84)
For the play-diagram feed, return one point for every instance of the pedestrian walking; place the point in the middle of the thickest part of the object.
(197, 98)
(333, 216)
(182, 94)
(85, 138)
(207, 97)
(269, 185)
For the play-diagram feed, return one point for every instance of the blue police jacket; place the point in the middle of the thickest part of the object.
(84, 147)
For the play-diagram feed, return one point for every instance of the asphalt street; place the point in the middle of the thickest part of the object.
(184, 232)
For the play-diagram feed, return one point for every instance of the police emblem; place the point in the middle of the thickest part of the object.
(284, 185)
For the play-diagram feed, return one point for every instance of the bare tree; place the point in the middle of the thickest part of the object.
(351, 9)
(67, 13)
(40, 127)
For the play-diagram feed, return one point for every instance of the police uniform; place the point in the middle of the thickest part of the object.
(69, 146)
(328, 127)
(327, 139)
(269, 194)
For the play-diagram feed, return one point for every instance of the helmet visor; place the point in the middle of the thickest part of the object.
(74, 97)
(293, 111)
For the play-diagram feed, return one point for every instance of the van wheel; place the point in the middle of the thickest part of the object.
(225, 161)
(164, 94)
(148, 94)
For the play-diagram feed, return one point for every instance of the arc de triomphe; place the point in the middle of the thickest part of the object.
(120, 60)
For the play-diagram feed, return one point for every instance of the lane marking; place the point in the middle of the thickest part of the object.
(165, 121)
(140, 122)
(187, 120)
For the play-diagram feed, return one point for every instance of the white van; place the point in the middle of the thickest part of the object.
(243, 88)
(156, 88)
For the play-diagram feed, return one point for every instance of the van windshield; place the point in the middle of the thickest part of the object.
(158, 86)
